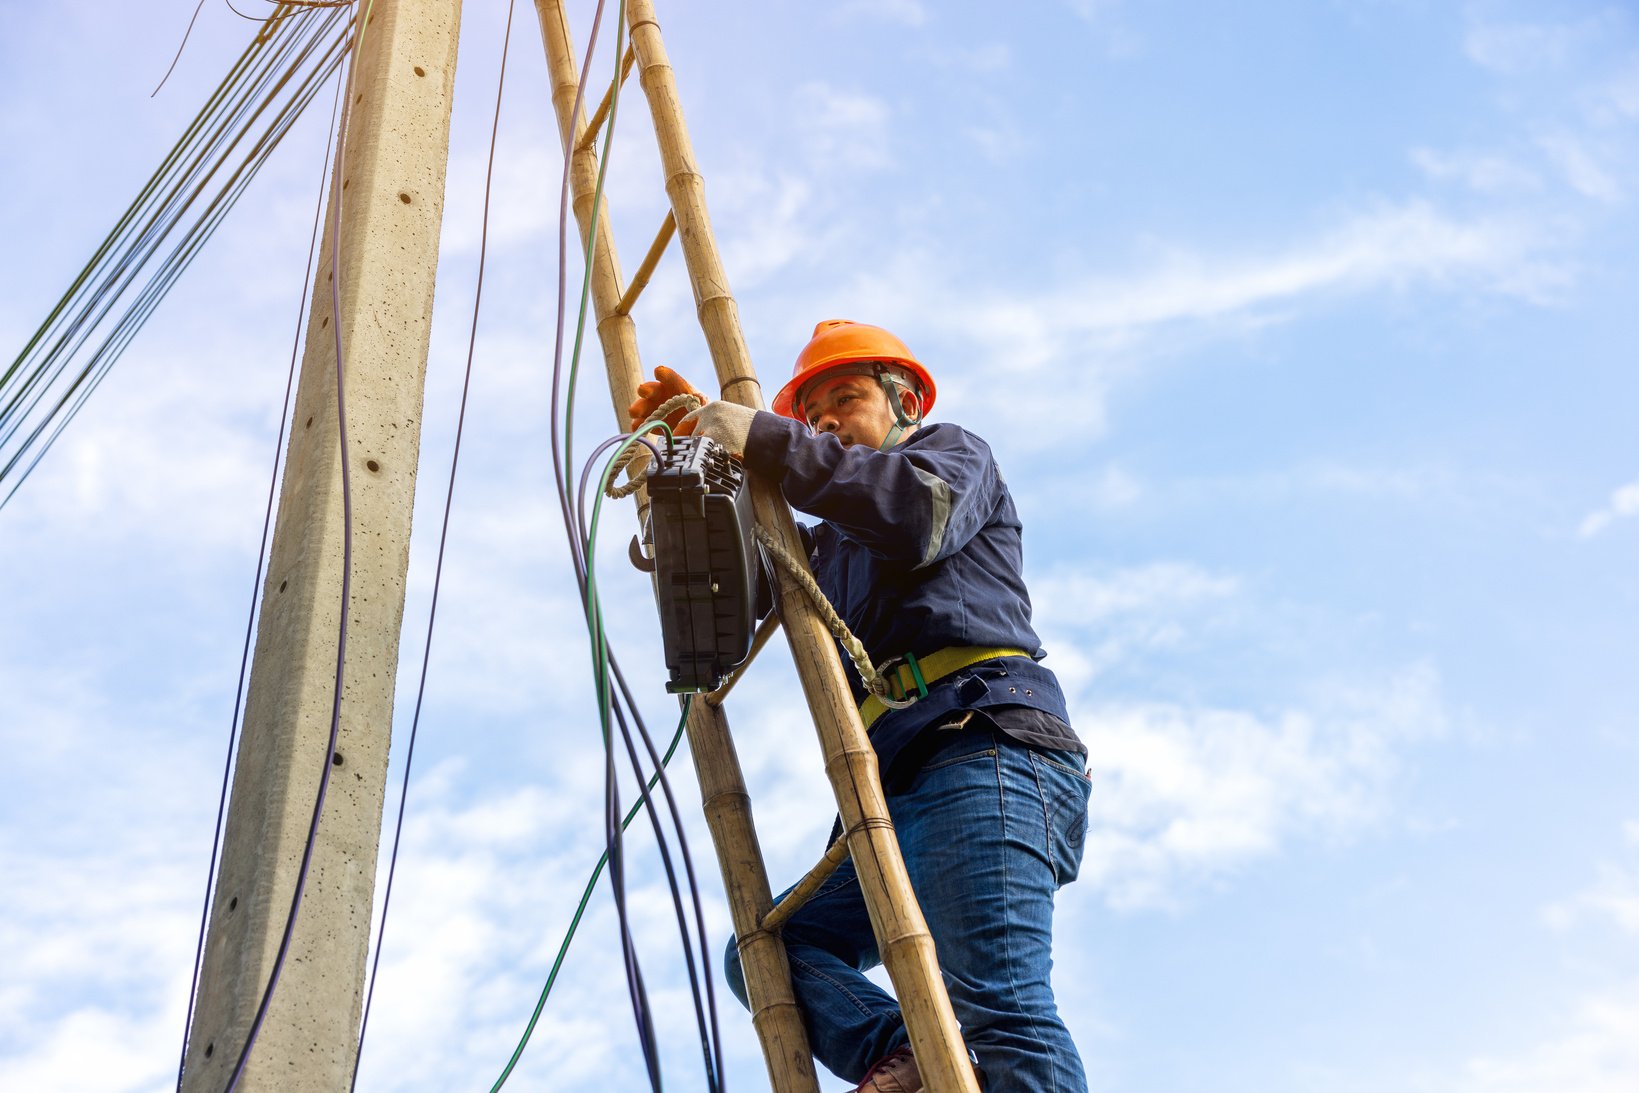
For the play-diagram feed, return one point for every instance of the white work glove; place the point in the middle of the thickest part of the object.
(728, 423)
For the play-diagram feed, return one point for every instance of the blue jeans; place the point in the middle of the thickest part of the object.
(989, 829)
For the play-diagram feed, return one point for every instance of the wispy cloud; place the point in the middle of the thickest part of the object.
(911, 13)
(1481, 171)
(1594, 1050)
(1581, 167)
(843, 127)
(1624, 502)
(1594, 1047)
(1614, 896)
(1517, 46)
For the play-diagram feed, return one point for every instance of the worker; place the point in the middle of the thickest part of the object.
(918, 548)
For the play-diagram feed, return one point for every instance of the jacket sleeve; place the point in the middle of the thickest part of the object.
(915, 504)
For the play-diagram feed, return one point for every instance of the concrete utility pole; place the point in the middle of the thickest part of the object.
(391, 194)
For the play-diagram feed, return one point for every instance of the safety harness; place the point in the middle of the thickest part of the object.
(908, 677)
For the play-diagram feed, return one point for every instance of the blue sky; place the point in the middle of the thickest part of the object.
(1304, 333)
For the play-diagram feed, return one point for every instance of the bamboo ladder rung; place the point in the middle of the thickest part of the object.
(595, 124)
(805, 888)
(645, 270)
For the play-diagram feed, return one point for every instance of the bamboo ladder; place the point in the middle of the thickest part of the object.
(902, 934)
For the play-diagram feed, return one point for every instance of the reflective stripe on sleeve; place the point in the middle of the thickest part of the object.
(939, 517)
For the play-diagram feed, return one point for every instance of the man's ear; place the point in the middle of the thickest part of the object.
(911, 402)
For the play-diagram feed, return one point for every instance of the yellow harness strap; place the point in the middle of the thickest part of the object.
(933, 667)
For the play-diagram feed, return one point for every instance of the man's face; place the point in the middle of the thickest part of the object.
(854, 408)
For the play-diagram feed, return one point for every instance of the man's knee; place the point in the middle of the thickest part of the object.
(732, 971)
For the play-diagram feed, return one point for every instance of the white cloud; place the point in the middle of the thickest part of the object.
(1183, 795)
(486, 890)
(773, 224)
(996, 143)
(1513, 48)
(911, 13)
(1595, 1050)
(1104, 18)
(104, 878)
(1624, 502)
(1614, 896)
(982, 59)
(1622, 92)
(1146, 589)
(1594, 1046)
(1092, 622)
(1186, 792)
(1477, 171)
(842, 127)
(1580, 167)
(1393, 247)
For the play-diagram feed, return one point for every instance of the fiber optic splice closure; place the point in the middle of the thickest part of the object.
(705, 561)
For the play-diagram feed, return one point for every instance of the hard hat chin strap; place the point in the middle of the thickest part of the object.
(892, 385)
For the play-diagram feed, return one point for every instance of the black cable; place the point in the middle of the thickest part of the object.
(580, 557)
(147, 301)
(288, 63)
(710, 1036)
(199, 7)
(612, 833)
(346, 578)
(151, 295)
(256, 587)
(443, 540)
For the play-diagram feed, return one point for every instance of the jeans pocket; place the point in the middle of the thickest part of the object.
(1067, 796)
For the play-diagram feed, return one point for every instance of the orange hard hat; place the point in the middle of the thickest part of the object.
(839, 342)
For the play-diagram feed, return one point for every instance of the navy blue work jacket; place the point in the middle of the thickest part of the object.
(919, 549)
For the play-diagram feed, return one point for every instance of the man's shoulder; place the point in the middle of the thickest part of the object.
(947, 436)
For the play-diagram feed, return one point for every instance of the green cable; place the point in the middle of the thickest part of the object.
(592, 236)
(594, 614)
(605, 698)
(585, 898)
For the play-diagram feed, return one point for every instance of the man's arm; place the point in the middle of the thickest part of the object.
(916, 504)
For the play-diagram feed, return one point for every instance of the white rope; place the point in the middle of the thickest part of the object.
(874, 681)
(637, 457)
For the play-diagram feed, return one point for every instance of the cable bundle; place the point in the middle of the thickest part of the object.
(294, 52)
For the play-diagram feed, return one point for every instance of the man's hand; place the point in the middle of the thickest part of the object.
(728, 423)
(652, 394)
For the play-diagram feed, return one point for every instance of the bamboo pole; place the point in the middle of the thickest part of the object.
(902, 935)
(727, 804)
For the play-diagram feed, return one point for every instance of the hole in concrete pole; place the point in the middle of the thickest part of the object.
(373, 465)
(210, 1049)
(336, 759)
(309, 424)
(233, 904)
(404, 198)
(324, 322)
(419, 71)
(283, 585)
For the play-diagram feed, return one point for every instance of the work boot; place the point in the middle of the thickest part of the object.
(895, 1073)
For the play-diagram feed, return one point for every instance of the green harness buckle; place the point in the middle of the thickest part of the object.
(896, 682)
